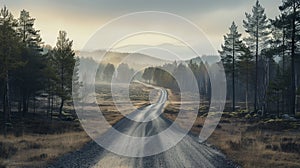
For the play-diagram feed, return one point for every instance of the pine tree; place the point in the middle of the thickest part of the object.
(148, 74)
(231, 49)
(76, 84)
(279, 48)
(31, 76)
(9, 56)
(124, 73)
(291, 11)
(108, 72)
(258, 27)
(30, 36)
(245, 66)
(51, 77)
(64, 62)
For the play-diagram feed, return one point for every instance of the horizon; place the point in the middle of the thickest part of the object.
(95, 14)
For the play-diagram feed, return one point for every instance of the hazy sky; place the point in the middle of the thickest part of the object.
(82, 18)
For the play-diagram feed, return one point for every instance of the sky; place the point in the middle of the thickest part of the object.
(82, 18)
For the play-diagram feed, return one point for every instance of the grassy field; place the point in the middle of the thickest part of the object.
(35, 150)
(36, 140)
(249, 141)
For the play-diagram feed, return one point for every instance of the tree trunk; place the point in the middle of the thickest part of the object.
(293, 86)
(233, 76)
(7, 98)
(20, 102)
(6, 106)
(4, 110)
(62, 91)
(34, 105)
(52, 105)
(25, 104)
(256, 70)
(61, 107)
(48, 104)
(278, 105)
(283, 69)
(247, 87)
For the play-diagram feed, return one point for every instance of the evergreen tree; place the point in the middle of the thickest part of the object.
(9, 57)
(258, 27)
(231, 49)
(51, 77)
(245, 66)
(108, 72)
(29, 35)
(76, 84)
(64, 62)
(30, 77)
(148, 74)
(124, 73)
(291, 11)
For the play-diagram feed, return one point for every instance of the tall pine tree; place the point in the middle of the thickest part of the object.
(31, 76)
(291, 11)
(9, 57)
(258, 27)
(64, 62)
(245, 69)
(231, 49)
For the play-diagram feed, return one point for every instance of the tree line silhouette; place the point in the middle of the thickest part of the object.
(262, 68)
(30, 70)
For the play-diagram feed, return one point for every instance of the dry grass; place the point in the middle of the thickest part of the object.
(34, 142)
(138, 94)
(258, 148)
(264, 143)
(36, 150)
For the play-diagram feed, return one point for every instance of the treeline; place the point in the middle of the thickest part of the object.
(109, 72)
(29, 70)
(177, 76)
(263, 66)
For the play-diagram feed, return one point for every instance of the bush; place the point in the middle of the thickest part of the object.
(290, 147)
(234, 145)
(248, 116)
(7, 150)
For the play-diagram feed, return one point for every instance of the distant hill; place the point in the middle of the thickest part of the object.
(163, 51)
(170, 52)
(209, 59)
(138, 61)
(134, 60)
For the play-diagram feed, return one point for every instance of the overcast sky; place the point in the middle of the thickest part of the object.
(82, 18)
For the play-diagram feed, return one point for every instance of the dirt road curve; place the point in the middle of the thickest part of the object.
(187, 153)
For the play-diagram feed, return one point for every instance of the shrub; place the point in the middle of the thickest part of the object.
(7, 150)
(290, 147)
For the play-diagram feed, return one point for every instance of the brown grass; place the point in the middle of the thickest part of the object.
(139, 97)
(262, 143)
(37, 150)
(258, 148)
(34, 142)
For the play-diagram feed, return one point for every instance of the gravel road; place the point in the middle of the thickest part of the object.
(187, 153)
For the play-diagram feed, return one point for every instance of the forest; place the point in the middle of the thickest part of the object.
(29, 70)
(262, 68)
(39, 82)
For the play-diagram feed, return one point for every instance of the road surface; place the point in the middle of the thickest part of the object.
(187, 153)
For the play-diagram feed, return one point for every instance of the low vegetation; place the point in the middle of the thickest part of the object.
(35, 141)
(249, 140)
(41, 142)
